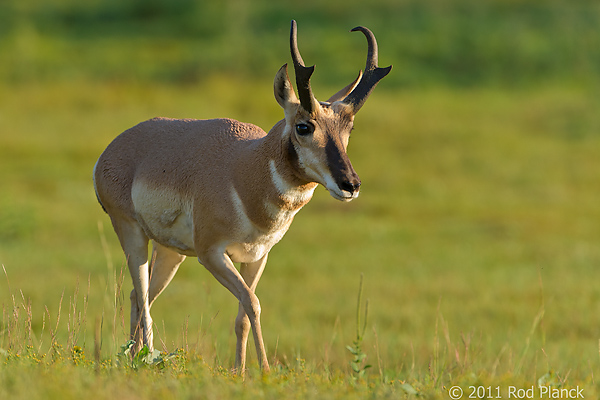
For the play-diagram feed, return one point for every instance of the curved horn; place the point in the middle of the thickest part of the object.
(373, 74)
(303, 73)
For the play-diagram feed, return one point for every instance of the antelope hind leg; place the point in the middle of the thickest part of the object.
(165, 264)
(135, 246)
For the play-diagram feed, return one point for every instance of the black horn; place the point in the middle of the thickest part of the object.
(373, 74)
(303, 73)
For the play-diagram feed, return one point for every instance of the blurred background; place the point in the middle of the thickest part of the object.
(478, 155)
(462, 43)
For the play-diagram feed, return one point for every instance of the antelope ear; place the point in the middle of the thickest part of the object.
(284, 93)
(341, 95)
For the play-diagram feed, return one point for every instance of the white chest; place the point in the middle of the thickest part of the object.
(250, 243)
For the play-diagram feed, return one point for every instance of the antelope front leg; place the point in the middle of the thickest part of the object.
(251, 272)
(220, 265)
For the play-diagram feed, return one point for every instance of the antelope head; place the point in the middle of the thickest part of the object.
(317, 133)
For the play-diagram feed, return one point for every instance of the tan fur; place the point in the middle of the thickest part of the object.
(223, 191)
(189, 169)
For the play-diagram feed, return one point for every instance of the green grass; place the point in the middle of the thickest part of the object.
(476, 229)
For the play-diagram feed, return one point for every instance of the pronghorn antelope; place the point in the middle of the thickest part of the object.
(226, 191)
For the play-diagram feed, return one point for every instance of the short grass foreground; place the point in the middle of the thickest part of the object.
(69, 374)
(35, 365)
(28, 371)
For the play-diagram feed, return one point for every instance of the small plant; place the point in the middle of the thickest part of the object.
(143, 358)
(358, 361)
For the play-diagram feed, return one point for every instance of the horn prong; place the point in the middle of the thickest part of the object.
(303, 73)
(373, 74)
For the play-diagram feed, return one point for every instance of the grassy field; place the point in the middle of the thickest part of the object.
(477, 229)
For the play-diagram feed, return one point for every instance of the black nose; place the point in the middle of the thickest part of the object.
(350, 186)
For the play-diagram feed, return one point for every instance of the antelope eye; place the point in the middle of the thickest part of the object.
(304, 129)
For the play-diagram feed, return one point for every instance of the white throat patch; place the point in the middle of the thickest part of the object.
(288, 192)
